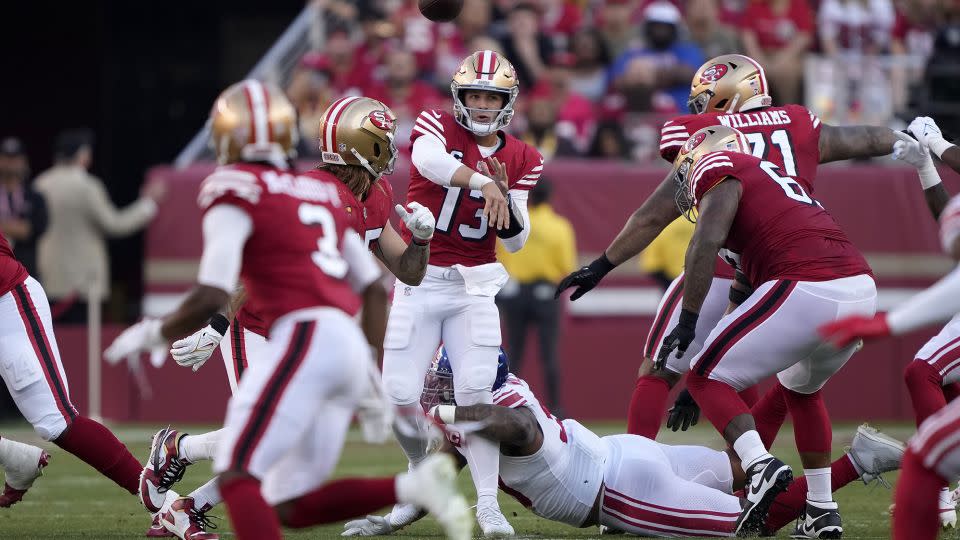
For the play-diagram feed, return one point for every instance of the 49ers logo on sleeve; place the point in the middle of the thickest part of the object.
(693, 142)
(713, 73)
(381, 120)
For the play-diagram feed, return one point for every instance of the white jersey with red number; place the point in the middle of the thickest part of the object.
(462, 235)
(293, 258)
(560, 482)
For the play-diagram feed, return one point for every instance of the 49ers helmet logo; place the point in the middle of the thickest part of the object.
(381, 120)
(693, 142)
(713, 73)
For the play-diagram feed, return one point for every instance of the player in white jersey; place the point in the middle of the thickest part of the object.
(564, 472)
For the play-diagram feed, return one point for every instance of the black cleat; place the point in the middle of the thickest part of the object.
(768, 479)
(819, 520)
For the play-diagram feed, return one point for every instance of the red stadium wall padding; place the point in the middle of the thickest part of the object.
(881, 208)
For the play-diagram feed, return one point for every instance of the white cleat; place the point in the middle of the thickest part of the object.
(432, 486)
(23, 464)
(874, 453)
(398, 518)
(947, 509)
(493, 523)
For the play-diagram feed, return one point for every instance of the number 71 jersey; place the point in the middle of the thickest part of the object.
(293, 258)
(462, 235)
(788, 137)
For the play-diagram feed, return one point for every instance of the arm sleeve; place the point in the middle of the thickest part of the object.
(363, 268)
(936, 304)
(518, 199)
(225, 231)
(118, 222)
(430, 157)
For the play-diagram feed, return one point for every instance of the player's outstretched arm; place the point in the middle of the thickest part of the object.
(852, 142)
(658, 211)
(406, 261)
(912, 150)
(202, 303)
(513, 427)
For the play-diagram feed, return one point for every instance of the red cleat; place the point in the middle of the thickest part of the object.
(187, 522)
(157, 530)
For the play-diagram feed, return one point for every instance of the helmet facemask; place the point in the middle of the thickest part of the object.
(464, 114)
(683, 197)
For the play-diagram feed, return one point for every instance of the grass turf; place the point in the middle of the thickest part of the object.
(71, 500)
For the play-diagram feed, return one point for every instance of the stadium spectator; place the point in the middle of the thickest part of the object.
(657, 75)
(404, 93)
(378, 33)
(418, 35)
(708, 31)
(560, 20)
(549, 254)
(73, 251)
(525, 44)
(453, 40)
(311, 93)
(855, 26)
(609, 142)
(544, 132)
(347, 75)
(777, 34)
(663, 259)
(23, 212)
(617, 28)
(576, 114)
(590, 59)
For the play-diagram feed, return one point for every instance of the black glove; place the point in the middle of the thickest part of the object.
(679, 338)
(585, 278)
(684, 413)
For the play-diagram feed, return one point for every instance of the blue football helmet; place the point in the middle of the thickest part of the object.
(438, 384)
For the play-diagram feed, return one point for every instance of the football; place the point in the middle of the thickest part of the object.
(441, 10)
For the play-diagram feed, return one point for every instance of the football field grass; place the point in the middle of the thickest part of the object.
(72, 501)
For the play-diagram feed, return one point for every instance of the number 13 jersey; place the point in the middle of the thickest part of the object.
(296, 255)
(462, 235)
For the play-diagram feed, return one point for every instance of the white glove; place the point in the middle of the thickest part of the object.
(928, 133)
(369, 526)
(909, 150)
(419, 220)
(195, 349)
(143, 336)
(374, 412)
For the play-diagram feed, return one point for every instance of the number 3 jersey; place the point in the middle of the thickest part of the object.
(778, 230)
(559, 482)
(462, 235)
(295, 256)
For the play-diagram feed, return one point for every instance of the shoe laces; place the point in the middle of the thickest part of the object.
(201, 519)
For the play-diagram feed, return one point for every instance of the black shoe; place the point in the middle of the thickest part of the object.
(819, 520)
(768, 479)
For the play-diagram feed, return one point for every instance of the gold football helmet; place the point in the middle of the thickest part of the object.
(727, 84)
(253, 121)
(484, 70)
(359, 131)
(701, 143)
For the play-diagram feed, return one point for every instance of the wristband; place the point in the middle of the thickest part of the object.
(742, 279)
(602, 264)
(688, 319)
(417, 241)
(938, 146)
(477, 181)
(219, 323)
(446, 413)
(737, 296)
(929, 176)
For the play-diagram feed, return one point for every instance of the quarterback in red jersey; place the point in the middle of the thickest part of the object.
(289, 239)
(807, 273)
(475, 179)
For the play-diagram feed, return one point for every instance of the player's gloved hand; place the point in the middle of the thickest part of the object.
(684, 413)
(843, 332)
(195, 349)
(928, 133)
(143, 336)
(369, 526)
(586, 278)
(910, 150)
(418, 219)
(678, 339)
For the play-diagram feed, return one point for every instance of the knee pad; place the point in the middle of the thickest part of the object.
(475, 376)
(51, 426)
(401, 389)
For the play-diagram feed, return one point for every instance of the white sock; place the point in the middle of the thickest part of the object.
(818, 484)
(483, 456)
(207, 494)
(194, 448)
(750, 449)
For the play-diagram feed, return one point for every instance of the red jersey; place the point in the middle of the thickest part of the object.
(292, 259)
(787, 136)
(779, 231)
(12, 273)
(462, 235)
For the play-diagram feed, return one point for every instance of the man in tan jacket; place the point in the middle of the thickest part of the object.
(73, 256)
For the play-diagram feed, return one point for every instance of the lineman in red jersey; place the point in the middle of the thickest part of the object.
(475, 178)
(30, 367)
(288, 238)
(807, 273)
(791, 138)
(933, 375)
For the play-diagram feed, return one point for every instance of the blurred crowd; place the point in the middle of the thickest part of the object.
(598, 77)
